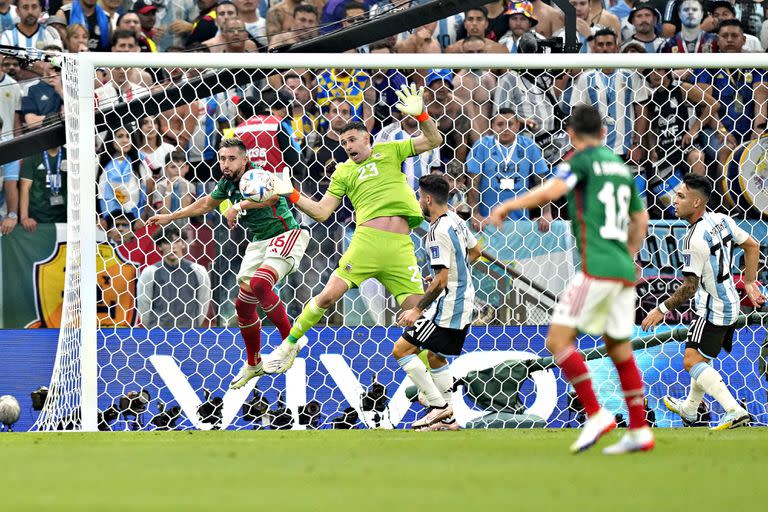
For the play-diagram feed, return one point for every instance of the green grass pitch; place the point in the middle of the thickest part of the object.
(393, 471)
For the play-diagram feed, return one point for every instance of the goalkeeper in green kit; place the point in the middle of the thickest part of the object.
(386, 210)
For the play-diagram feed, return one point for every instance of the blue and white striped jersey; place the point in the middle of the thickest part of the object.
(448, 245)
(416, 166)
(707, 250)
(614, 95)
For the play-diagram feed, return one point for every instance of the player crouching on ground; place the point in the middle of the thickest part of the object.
(609, 224)
(439, 327)
(277, 247)
(707, 253)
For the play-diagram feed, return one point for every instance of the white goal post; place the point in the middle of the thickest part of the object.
(75, 386)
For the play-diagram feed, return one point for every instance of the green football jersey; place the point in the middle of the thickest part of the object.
(377, 186)
(601, 198)
(263, 223)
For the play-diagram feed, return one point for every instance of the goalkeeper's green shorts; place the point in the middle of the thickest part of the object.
(388, 257)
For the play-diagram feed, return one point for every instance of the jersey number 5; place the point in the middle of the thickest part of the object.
(616, 203)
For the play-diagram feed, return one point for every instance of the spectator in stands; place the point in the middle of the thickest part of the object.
(169, 11)
(76, 39)
(643, 18)
(495, 24)
(89, 14)
(254, 24)
(43, 189)
(531, 95)
(7, 15)
(28, 32)
(113, 8)
(550, 20)
(502, 165)
(521, 20)
(618, 94)
(691, 38)
(233, 38)
(742, 94)
(304, 27)
(123, 179)
(599, 16)
(304, 114)
(174, 293)
(280, 18)
(149, 141)
(225, 11)
(11, 66)
(723, 10)
(583, 25)
(172, 190)
(332, 13)
(119, 228)
(476, 24)
(354, 86)
(147, 13)
(454, 125)
(422, 40)
(202, 29)
(130, 21)
(621, 10)
(677, 112)
(10, 126)
(385, 82)
(321, 163)
(473, 87)
(57, 23)
(120, 87)
(43, 100)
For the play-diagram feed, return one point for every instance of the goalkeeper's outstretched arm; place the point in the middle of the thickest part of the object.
(202, 206)
(412, 104)
(318, 210)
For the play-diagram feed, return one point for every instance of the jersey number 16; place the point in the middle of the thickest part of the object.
(616, 203)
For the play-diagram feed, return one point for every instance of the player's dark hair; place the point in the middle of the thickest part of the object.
(307, 8)
(233, 142)
(733, 22)
(166, 235)
(353, 125)
(436, 186)
(586, 120)
(700, 184)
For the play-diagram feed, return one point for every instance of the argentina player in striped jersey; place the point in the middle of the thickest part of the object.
(707, 249)
(441, 319)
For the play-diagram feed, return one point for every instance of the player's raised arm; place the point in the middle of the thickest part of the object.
(202, 206)
(550, 190)
(318, 210)
(412, 104)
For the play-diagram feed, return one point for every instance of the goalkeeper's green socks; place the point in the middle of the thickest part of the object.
(310, 315)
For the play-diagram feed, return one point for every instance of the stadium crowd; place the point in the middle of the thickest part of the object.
(502, 130)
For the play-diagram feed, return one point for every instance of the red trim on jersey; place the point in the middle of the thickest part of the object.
(275, 215)
(290, 242)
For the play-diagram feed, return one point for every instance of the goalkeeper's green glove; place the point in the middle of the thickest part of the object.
(284, 187)
(412, 102)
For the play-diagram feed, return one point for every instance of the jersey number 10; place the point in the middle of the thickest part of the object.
(616, 203)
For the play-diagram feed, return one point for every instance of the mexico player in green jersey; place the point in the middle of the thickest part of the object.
(386, 210)
(609, 222)
(276, 248)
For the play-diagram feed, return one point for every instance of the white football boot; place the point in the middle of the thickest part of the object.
(594, 428)
(635, 440)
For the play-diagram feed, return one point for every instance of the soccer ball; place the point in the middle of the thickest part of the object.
(10, 410)
(257, 185)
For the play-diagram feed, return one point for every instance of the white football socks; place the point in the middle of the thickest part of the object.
(444, 381)
(713, 385)
(695, 395)
(420, 376)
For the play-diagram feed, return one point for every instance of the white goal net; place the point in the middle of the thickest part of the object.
(149, 336)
